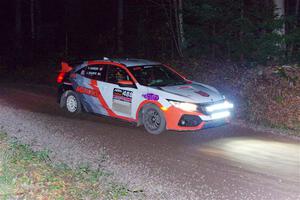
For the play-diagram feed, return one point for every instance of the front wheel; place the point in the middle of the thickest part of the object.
(153, 119)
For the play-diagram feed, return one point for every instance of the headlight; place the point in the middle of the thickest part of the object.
(219, 106)
(190, 107)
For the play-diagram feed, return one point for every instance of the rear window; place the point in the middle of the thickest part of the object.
(95, 72)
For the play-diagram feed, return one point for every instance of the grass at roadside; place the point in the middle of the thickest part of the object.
(25, 174)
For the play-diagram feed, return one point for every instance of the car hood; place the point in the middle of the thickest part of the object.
(196, 92)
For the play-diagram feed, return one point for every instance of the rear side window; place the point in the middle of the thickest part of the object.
(96, 72)
(115, 74)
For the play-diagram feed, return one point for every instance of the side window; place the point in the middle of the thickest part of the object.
(115, 74)
(96, 72)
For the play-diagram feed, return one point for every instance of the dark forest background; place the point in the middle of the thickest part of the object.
(238, 30)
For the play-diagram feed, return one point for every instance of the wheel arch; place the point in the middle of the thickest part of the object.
(63, 98)
(62, 89)
(139, 113)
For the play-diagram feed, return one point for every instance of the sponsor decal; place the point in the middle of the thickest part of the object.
(122, 101)
(204, 94)
(151, 96)
(87, 91)
(122, 95)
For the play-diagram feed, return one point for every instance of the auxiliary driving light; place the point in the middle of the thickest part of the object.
(219, 106)
(220, 115)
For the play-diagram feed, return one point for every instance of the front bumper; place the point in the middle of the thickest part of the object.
(180, 120)
(215, 123)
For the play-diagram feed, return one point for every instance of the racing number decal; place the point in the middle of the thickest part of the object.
(122, 100)
(122, 95)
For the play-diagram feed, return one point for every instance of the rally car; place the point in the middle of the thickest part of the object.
(145, 92)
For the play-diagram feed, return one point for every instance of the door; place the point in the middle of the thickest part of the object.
(88, 90)
(120, 99)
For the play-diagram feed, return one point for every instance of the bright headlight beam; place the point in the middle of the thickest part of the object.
(188, 106)
(219, 106)
(184, 106)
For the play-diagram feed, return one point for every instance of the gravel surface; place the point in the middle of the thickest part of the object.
(228, 162)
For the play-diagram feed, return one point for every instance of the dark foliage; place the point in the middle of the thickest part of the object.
(243, 30)
(240, 30)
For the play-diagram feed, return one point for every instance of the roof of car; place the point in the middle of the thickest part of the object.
(132, 62)
(128, 62)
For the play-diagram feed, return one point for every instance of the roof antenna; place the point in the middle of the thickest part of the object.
(105, 58)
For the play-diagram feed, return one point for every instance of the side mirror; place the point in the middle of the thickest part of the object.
(125, 83)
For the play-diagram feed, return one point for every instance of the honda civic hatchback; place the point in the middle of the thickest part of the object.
(145, 92)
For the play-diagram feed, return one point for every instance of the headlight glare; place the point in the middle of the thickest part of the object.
(219, 106)
(190, 107)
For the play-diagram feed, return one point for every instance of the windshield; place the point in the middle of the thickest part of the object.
(156, 75)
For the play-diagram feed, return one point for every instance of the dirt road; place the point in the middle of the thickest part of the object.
(228, 162)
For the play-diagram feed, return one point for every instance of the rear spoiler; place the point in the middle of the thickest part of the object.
(68, 64)
(65, 67)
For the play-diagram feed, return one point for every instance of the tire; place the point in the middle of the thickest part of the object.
(153, 119)
(71, 103)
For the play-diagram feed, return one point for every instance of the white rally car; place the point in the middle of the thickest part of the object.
(142, 91)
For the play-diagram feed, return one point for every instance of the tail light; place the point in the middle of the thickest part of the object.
(60, 77)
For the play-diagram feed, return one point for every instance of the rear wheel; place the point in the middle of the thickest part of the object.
(71, 102)
(153, 119)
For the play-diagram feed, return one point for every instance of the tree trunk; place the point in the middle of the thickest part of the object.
(67, 27)
(32, 30)
(168, 9)
(279, 11)
(279, 7)
(37, 22)
(180, 16)
(177, 28)
(292, 46)
(297, 11)
(32, 20)
(120, 26)
(241, 32)
(18, 18)
(18, 34)
(175, 6)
